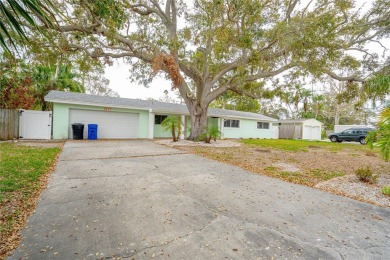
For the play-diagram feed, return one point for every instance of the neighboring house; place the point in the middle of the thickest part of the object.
(305, 129)
(134, 118)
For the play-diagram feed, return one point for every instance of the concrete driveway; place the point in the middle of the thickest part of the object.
(136, 199)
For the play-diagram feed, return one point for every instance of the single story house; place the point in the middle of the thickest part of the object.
(304, 129)
(135, 118)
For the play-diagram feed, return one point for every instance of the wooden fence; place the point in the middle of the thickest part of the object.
(9, 124)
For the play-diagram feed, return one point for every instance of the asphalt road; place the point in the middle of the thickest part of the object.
(136, 199)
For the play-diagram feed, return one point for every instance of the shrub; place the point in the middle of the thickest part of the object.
(173, 124)
(386, 190)
(366, 175)
(209, 134)
(382, 135)
(214, 133)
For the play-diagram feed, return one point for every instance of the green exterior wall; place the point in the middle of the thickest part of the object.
(247, 129)
(212, 122)
(61, 119)
(159, 132)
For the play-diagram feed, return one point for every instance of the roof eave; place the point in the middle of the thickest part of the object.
(93, 104)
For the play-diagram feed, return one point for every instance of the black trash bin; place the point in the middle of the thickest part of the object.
(78, 131)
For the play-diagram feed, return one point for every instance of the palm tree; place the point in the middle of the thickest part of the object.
(382, 135)
(212, 133)
(173, 124)
(15, 14)
(48, 78)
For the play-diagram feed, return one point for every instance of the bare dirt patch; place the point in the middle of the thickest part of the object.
(287, 167)
(330, 170)
(41, 144)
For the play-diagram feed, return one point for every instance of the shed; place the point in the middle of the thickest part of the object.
(305, 129)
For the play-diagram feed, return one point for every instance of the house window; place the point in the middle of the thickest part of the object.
(158, 119)
(231, 123)
(262, 125)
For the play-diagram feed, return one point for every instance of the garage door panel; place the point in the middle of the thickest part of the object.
(110, 124)
(312, 133)
(316, 134)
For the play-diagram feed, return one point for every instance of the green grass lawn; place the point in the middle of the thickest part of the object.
(20, 170)
(301, 145)
(21, 166)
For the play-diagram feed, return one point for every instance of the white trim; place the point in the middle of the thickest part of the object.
(222, 130)
(166, 112)
(151, 125)
(95, 104)
(182, 121)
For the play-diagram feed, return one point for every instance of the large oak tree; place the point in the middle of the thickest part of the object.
(209, 47)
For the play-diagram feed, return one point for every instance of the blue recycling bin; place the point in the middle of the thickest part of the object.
(92, 131)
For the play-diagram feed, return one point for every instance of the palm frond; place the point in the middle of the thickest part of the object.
(14, 13)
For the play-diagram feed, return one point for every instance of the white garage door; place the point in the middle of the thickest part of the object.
(316, 133)
(110, 124)
(312, 133)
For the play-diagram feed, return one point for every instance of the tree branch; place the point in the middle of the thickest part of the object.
(269, 73)
(341, 78)
(223, 71)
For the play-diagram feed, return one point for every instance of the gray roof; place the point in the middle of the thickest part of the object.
(155, 106)
(300, 120)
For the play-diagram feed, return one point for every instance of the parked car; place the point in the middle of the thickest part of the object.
(351, 135)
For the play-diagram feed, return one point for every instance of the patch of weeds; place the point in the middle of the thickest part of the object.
(366, 175)
(287, 174)
(270, 168)
(386, 190)
(292, 160)
(325, 175)
(355, 155)
(371, 153)
(293, 145)
(263, 150)
(294, 177)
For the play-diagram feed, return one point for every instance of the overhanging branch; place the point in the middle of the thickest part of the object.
(342, 78)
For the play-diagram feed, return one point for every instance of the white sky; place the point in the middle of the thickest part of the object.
(119, 74)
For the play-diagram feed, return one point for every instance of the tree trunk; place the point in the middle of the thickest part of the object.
(173, 133)
(178, 128)
(337, 116)
(198, 117)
